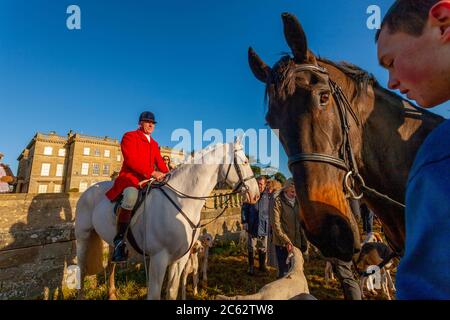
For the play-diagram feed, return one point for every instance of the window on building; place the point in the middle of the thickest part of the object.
(84, 169)
(42, 188)
(83, 186)
(57, 188)
(95, 168)
(107, 154)
(48, 151)
(59, 170)
(106, 169)
(119, 157)
(62, 152)
(86, 151)
(97, 152)
(45, 169)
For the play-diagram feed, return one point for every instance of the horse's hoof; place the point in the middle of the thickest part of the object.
(112, 296)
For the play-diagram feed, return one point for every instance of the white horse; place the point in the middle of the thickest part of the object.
(159, 228)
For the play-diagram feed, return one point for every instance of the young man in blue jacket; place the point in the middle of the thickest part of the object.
(414, 46)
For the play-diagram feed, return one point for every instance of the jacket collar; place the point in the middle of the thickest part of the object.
(284, 198)
(143, 137)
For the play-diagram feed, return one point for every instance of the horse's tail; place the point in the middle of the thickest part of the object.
(94, 254)
(89, 243)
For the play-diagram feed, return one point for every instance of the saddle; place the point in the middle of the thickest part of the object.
(141, 197)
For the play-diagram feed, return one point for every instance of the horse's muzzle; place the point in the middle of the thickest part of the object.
(337, 239)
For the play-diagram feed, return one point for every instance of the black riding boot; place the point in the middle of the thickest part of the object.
(120, 250)
(262, 261)
(251, 262)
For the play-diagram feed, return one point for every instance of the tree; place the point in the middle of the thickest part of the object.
(256, 170)
(280, 177)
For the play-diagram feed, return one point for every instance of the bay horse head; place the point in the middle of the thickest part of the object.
(303, 106)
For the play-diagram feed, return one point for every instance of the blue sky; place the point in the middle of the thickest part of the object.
(184, 60)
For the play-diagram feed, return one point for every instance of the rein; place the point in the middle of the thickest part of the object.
(240, 187)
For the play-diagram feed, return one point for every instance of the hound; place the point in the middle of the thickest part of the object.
(191, 267)
(291, 285)
(207, 242)
(374, 253)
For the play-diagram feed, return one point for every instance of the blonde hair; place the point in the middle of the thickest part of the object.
(274, 185)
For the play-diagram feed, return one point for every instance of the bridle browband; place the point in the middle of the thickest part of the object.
(346, 159)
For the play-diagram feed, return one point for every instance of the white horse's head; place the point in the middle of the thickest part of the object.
(238, 173)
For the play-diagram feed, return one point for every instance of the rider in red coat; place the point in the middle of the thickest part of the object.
(140, 154)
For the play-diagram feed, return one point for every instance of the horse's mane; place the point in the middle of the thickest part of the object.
(198, 155)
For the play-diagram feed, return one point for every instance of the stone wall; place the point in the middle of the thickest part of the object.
(37, 239)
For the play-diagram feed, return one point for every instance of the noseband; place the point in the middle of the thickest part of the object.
(346, 159)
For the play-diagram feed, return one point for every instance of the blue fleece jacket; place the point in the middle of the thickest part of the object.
(424, 271)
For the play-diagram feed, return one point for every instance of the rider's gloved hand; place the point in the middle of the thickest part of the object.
(159, 176)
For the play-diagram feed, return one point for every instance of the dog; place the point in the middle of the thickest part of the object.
(372, 237)
(329, 274)
(207, 242)
(292, 285)
(192, 266)
(243, 238)
(372, 254)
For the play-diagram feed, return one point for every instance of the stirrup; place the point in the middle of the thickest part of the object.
(120, 253)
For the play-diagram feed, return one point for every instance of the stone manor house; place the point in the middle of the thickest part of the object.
(51, 163)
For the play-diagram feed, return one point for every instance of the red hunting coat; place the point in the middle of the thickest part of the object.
(139, 160)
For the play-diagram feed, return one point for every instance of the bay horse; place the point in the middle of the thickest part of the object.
(344, 134)
(166, 224)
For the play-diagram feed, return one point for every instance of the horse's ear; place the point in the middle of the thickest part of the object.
(259, 68)
(296, 39)
(238, 140)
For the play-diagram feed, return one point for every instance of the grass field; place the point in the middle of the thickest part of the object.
(226, 275)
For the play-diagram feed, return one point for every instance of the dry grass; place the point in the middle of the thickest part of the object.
(227, 275)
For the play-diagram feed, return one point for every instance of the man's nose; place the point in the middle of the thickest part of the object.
(393, 83)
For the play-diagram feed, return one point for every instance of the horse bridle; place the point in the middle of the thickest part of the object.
(240, 185)
(346, 160)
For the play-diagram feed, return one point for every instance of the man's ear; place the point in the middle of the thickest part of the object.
(440, 17)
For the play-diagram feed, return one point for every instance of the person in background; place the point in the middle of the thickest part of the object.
(274, 188)
(168, 163)
(255, 219)
(286, 224)
(6, 177)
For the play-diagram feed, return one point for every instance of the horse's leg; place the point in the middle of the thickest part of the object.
(173, 292)
(111, 281)
(171, 278)
(157, 270)
(195, 281)
(81, 263)
(183, 285)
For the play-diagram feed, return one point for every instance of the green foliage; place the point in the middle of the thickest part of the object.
(280, 177)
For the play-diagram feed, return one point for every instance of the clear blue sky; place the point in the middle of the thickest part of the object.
(184, 60)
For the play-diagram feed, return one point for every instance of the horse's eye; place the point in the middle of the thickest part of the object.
(324, 98)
